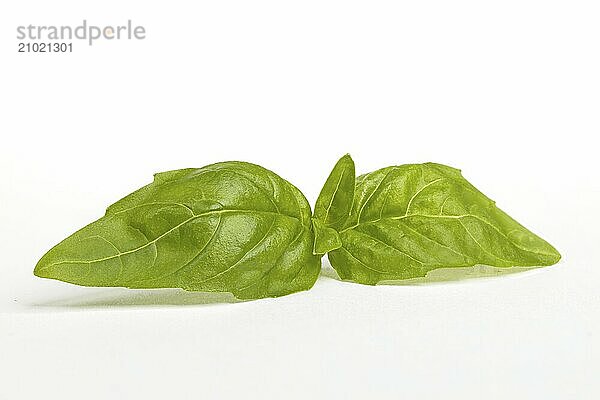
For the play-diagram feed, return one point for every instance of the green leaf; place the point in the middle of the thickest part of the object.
(228, 227)
(326, 239)
(335, 200)
(411, 219)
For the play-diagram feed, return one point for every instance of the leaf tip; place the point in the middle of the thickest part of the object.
(556, 256)
(41, 269)
(347, 158)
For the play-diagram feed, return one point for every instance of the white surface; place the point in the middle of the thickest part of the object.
(507, 91)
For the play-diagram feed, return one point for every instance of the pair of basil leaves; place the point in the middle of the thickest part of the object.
(240, 228)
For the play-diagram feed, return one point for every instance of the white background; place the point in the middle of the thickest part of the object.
(507, 91)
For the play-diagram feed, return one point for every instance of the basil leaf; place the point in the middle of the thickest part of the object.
(232, 227)
(335, 200)
(411, 219)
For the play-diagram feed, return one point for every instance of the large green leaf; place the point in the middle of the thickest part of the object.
(411, 219)
(232, 227)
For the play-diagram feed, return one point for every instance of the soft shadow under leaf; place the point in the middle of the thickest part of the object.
(120, 297)
(442, 275)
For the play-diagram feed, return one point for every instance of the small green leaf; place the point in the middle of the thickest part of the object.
(228, 227)
(412, 219)
(326, 239)
(335, 200)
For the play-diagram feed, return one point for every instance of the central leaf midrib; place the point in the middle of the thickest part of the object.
(209, 213)
(458, 217)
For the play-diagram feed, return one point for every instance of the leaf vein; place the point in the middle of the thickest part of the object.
(213, 212)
